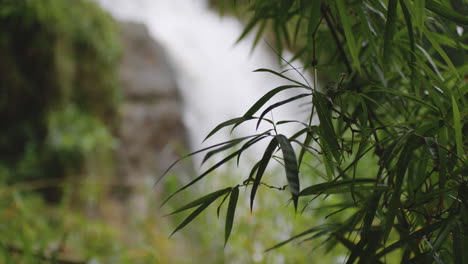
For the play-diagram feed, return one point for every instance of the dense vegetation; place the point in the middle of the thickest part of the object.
(58, 106)
(386, 163)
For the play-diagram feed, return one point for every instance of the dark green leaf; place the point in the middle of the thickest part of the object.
(292, 171)
(390, 28)
(332, 186)
(230, 213)
(273, 106)
(446, 12)
(209, 198)
(192, 216)
(230, 122)
(261, 168)
(267, 97)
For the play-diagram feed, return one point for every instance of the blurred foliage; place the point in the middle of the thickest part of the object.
(389, 150)
(58, 96)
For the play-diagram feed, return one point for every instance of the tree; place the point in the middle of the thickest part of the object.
(392, 114)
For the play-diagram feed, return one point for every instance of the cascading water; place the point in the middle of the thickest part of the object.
(214, 74)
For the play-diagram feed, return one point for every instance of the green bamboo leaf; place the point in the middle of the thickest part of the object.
(446, 12)
(349, 34)
(307, 232)
(457, 244)
(259, 34)
(253, 141)
(438, 48)
(273, 106)
(315, 16)
(327, 186)
(209, 198)
(226, 146)
(409, 25)
(327, 132)
(230, 213)
(234, 121)
(412, 143)
(194, 153)
(419, 15)
(221, 204)
(283, 76)
(292, 171)
(425, 231)
(390, 28)
(457, 125)
(407, 96)
(303, 151)
(250, 25)
(267, 97)
(190, 218)
(261, 168)
(214, 167)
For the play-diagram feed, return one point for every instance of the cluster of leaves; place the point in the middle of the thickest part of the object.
(398, 106)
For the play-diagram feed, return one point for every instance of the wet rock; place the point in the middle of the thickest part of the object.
(151, 123)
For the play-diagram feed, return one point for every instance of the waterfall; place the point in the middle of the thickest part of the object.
(214, 73)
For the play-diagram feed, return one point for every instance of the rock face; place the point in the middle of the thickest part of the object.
(151, 125)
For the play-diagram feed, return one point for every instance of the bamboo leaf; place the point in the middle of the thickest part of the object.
(194, 153)
(267, 97)
(190, 218)
(214, 167)
(457, 127)
(307, 232)
(292, 171)
(230, 213)
(273, 106)
(446, 12)
(209, 198)
(283, 76)
(327, 186)
(225, 147)
(234, 121)
(327, 132)
(261, 168)
(442, 53)
(390, 28)
(221, 204)
(349, 34)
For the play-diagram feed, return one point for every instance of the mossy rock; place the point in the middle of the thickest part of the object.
(55, 54)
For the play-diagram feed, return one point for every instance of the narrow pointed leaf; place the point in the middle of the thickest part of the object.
(282, 76)
(307, 232)
(261, 168)
(446, 12)
(273, 106)
(190, 218)
(458, 127)
(390, 28)
(292, 171)
(225, 147)
(192, 154)
(267, 97)
(327, 132)
(205, 199)
(230, 213)
(223, 161)
(349, 34)
(324, 187)
(230, 122)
